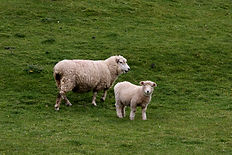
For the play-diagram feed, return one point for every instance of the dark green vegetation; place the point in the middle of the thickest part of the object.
(184, 46)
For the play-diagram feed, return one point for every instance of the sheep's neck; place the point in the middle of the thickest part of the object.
(113, 68)
(113, 72)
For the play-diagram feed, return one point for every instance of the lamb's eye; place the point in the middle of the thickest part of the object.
(120, 62)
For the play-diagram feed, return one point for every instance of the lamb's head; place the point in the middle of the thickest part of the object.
(148, 87)
(122, 64)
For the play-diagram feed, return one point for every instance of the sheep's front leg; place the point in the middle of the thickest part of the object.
(144, 116)
(133, 110)
(94, 98)
(104, 95)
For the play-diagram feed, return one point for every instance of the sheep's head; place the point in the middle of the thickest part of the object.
(122, 64)
(148, 87)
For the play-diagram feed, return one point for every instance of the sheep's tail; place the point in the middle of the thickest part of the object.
(57, 77)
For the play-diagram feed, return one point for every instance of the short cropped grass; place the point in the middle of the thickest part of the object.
(184, 46)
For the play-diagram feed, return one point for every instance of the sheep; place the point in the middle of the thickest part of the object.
(87, 75)
(128, 94)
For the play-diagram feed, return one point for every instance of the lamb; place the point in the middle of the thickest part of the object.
(87, 75)
(128, 94)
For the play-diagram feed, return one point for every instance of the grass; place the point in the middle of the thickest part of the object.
(184, 46)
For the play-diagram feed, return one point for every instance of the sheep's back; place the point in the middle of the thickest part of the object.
(87, 74)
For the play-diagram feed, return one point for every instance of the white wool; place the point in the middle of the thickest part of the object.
(87, 75)
(128, 94)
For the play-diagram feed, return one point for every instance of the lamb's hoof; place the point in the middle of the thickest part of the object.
(119, 116)
(144, 118)
(103, 100)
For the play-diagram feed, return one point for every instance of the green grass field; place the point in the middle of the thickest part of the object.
(184, 46)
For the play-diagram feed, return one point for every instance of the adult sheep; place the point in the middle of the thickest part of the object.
(87, 75)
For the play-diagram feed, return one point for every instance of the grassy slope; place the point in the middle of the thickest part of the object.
(188, 43)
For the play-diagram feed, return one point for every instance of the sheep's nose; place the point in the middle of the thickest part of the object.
(128, 69)
(147, 91)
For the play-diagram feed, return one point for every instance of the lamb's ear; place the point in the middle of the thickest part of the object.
(141, 83)
(154, 84)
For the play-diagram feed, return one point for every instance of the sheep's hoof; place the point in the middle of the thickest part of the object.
(103, 100)
(68, 104)
(57, 107)
(93, 103)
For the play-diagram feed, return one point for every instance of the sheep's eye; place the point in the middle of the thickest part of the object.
(120, 62)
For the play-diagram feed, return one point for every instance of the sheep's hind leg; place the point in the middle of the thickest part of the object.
(59, 98)
(67, 102)
(94, 98)
(58, 101)
(65, 86)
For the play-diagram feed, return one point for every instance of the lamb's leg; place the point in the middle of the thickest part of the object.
(144, 116)
(123, 111)
(94, 98)
(104, 96)
(58, 101)
(119, 109)
(132, 113)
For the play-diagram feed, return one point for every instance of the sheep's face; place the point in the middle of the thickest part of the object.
(148, 87)
(122, 64)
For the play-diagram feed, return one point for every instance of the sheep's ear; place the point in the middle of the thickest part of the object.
(154, 84)
(141, 83)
